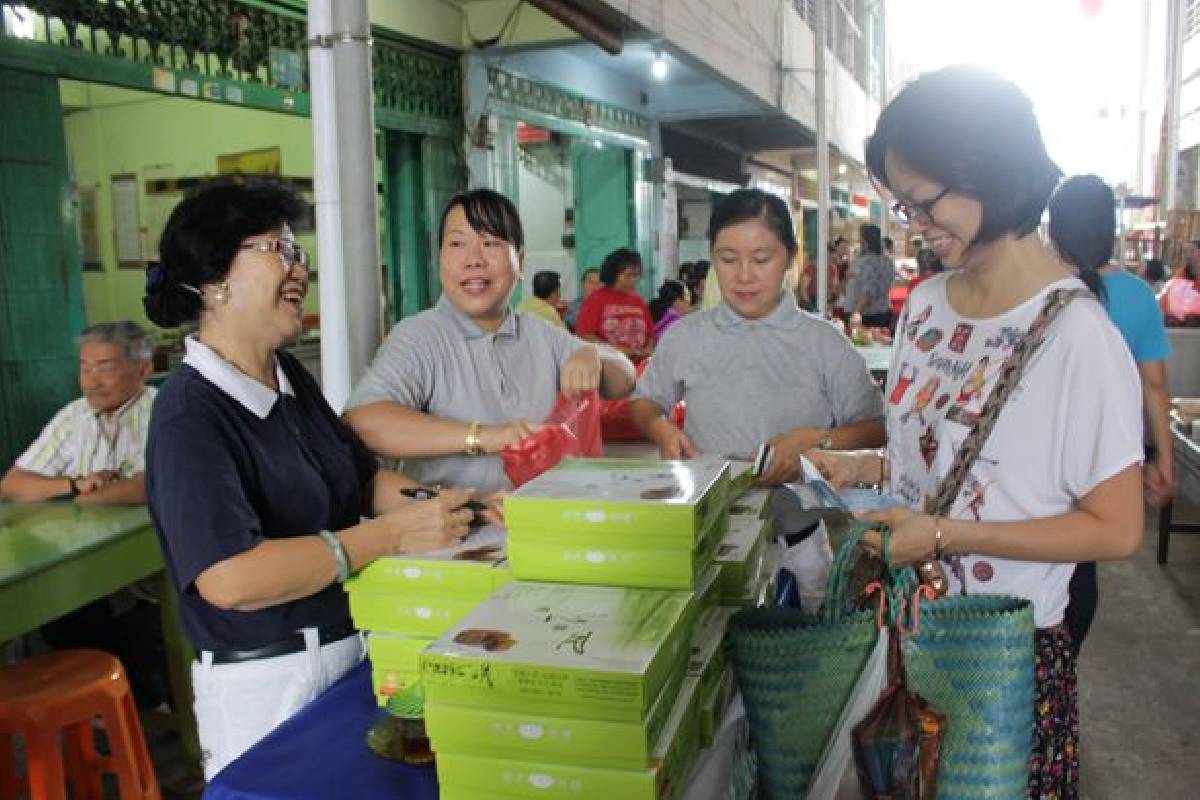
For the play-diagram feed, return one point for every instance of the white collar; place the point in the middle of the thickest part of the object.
(117, 413)
(257, 398)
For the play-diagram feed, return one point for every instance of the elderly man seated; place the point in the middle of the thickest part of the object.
(92, 449)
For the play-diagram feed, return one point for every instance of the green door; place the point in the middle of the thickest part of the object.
(603, 188)
(41, 303)
(422, 173)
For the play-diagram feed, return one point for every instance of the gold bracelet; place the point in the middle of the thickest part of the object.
(473, 446)
(938, 553)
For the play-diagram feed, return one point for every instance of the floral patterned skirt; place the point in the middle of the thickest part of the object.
(1054, 764)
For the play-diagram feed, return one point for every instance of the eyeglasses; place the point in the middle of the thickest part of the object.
(287, 250)
(908, 213)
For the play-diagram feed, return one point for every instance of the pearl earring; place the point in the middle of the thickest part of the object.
(221, 293)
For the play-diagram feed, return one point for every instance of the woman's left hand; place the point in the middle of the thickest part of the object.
(581, 373)
(913, 535)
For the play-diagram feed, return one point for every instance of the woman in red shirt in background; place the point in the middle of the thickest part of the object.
(615, 313)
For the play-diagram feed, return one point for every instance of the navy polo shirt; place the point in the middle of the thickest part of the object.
(224, 473)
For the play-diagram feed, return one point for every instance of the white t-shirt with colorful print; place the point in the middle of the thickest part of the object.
(1074, 421)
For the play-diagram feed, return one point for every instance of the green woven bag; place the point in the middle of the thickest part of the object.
(970, 657)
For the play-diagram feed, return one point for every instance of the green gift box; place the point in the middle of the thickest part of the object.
(751, 503)
(668, 503)
(594, 652)
(467, 777)
(525, 736)
(411, 614)
(469, 568)
(740, 552)
(713, 705)
(611, 559)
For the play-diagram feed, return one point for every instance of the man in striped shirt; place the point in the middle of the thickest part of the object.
(93, 448)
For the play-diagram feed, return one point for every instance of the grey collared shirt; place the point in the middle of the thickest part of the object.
(442, 363)
(746, 381)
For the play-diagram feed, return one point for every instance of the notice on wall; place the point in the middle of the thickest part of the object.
(127, 233)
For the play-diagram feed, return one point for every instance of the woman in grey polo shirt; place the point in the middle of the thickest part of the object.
(453, 385)
(755, 368)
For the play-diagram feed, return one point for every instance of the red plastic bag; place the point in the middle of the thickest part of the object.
(571, 431)
(616, 423)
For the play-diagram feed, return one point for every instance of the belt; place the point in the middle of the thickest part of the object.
(326, 634)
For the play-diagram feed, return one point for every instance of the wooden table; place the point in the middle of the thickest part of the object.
(1187, 478)
(56, 557)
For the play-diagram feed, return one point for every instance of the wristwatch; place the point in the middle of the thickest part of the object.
(826, 441)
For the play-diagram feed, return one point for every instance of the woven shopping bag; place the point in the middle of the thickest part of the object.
(969, 656)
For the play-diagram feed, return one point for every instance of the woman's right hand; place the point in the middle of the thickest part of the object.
(423, 526)
(495, 438)
(673, 444)
(841, 468)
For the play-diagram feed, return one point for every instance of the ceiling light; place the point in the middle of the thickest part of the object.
(842, 168)
(660, 67)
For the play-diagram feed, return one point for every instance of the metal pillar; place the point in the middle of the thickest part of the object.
(822, 160)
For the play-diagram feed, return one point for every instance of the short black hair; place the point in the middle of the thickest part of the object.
(747, 204)
(617, 262)
(976, 134)
(546, 283)
(871, 238)
(888, 244)
(1083, 223)
(670, 291)
(487, 212)
(202, 237)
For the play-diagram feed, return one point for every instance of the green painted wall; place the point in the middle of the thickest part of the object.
(112, 131)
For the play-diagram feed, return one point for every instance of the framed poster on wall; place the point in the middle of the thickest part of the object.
(127, 226)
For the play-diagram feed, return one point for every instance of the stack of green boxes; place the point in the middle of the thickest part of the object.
(747, 555)
(404, 603)
(561, 690)
(619, 522)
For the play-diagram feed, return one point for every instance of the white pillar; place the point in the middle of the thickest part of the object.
(1176, 25)
(822, 160)
(343, 114)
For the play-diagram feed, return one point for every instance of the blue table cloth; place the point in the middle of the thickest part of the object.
(321, 754)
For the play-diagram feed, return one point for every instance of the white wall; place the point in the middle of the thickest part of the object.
(742, 41)
(544, 195)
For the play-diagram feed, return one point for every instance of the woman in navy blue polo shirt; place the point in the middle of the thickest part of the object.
(256, 488)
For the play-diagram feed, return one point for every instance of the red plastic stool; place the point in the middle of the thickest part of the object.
(50, 702)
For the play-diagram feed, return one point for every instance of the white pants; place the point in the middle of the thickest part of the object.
(238, 704)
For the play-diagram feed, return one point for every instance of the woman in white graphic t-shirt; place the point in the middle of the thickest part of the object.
(1059, 479)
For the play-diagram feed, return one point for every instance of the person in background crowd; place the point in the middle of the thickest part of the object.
(588, 283)
(672, 303)
(543, 303)
(454, 385)
(615, 313)
(92, 452)
(1081, 229)
(836, 261)
(1179, 298)
(257, 489)
(1060, 477)
(869, 280)
(696, 280)
(889, 247)
(1154, 274)
(809, 388)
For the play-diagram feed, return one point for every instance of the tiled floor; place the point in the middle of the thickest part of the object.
(1139, 676)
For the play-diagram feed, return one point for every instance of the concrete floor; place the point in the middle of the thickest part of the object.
(1139, 675)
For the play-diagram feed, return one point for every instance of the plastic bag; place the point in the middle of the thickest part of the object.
(808, 563)
(571, 431)
(897, 746)
(833, 778)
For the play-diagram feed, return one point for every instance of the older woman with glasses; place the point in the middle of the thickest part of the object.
(256, 488)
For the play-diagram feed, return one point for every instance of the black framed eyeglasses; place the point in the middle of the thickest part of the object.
(908, 213)
(287, 249)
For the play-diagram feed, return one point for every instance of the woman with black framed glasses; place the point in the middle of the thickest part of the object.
(256, 488)
(1059, 478)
